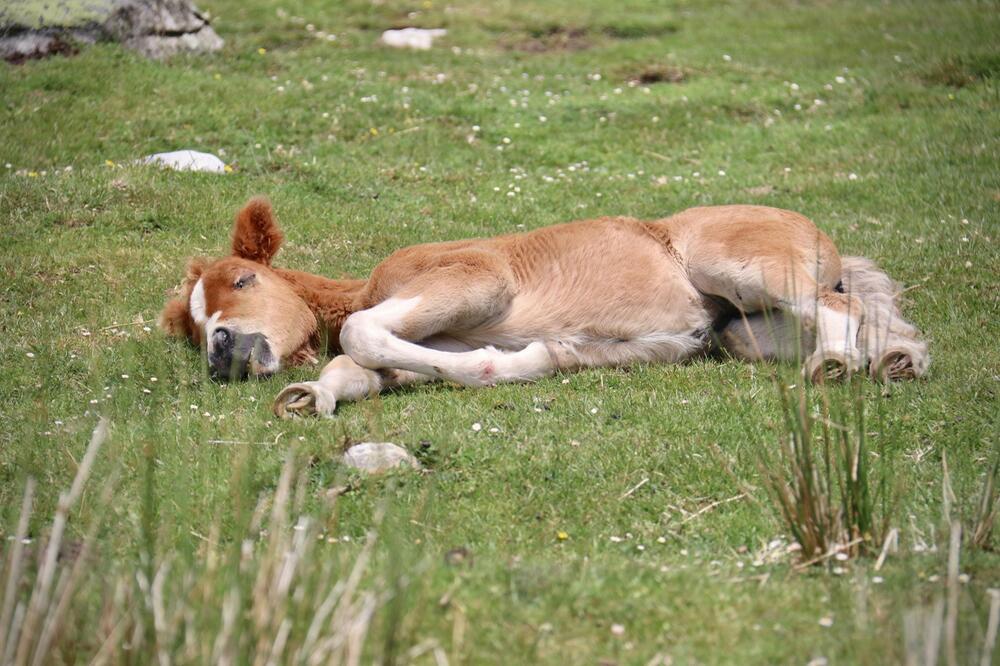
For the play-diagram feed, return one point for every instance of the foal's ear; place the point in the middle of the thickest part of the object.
(256, 235)
(175, 320)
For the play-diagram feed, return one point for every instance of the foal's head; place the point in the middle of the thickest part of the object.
(250, 320)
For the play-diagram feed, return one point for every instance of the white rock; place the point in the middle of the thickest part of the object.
(186, 160)
(412, 38)
(375, 457)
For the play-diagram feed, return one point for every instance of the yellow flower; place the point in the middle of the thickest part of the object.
(562, 536)
(217, 76)
(32, 174)
(373, 131)
(262, 50)
(227, 169)
(109, 163)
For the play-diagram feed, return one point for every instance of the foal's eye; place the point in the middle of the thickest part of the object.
(244, 281)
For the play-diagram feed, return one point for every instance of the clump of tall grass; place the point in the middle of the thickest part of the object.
(821, 477)
(277, 592)
(987, 509)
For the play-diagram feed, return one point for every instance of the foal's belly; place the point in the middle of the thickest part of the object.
(659, 318)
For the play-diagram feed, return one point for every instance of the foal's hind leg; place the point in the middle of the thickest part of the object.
(370, 338)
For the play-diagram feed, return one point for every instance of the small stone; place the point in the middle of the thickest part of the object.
(377, 457)
(420, 39)
(186, 160)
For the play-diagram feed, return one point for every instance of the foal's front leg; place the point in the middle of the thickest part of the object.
(344, 379)
(341, 379)
(406, 336)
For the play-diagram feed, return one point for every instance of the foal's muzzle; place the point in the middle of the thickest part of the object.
(233, 353)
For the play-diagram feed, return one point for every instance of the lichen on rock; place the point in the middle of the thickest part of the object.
(154, 28)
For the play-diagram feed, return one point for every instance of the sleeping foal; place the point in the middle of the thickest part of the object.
(754, 281)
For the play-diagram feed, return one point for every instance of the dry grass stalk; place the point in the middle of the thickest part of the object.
(990, 642)
(947, 493)
(891, 543)
(8, 629)
(266, 598)
(33, 628)
(820, 481)
(951, 628)
(988, 508)
(922, 630)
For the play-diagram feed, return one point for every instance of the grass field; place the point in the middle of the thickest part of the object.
(610, 516)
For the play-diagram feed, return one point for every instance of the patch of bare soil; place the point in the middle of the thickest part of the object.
(961, 71)
(659, 74)
(555, 38)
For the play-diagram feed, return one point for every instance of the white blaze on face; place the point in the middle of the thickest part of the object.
(209, 324)
(197, 303)
(197, 307)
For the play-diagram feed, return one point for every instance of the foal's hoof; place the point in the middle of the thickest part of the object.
(898, 363)
(831, 366)
(304, 399)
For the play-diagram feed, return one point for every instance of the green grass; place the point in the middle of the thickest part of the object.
(368, 149)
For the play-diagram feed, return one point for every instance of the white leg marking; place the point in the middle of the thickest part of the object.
(837, 354)
(198, 314)
(837, 331)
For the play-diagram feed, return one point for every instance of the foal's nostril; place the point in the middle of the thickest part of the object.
(222, 338)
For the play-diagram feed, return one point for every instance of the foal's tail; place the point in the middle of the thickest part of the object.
(895, 348)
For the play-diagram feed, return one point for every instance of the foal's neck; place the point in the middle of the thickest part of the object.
(332, 301)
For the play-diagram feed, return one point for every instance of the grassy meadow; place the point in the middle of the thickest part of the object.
(614, 516)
